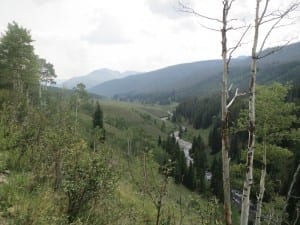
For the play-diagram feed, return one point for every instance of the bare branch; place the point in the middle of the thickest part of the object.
(237, 94)
(209, 28)
(297, 216)
(229, 89)
(230, 4)
(275, 25)
(187, 9)
(268, 35)
(295, 197)
(270, 20)
(274, 50)
(280, 14)
(236, 28)
(263, 12)
(290, 191)
(238, 44)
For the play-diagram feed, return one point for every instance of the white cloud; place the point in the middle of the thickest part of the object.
(166, 8)
(109, 31)
(42, 2)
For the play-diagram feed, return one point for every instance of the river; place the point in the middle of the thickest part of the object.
(185, 146)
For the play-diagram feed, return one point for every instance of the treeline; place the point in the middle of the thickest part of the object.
(161, 98)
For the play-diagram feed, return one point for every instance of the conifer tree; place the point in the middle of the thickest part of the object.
(159, 143)
(214, 139)
(98, 117)
(216, 179)
(200, 162)
(98, 128)
(18, 64)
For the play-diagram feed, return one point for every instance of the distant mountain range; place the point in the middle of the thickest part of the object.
(95, 78)
(162, 80)
(202, 78)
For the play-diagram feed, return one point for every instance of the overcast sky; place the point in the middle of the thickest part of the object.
(79, 36)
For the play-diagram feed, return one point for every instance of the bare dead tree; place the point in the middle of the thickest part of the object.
(289, 195)
(226, 103)
(297, 216)
(261, 187)
(262, 17)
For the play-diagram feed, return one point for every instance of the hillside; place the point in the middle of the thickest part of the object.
(28, 178)
(202, 78)
(96, 77)
(162, 80)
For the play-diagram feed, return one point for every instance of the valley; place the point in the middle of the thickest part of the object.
(164, 147)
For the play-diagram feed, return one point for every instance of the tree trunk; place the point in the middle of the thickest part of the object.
(224, 126)
(290, 192)
(158, 210)
(261, 188)
(251, 126)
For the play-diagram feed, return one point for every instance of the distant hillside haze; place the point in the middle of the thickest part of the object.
(96, 77)
(204, 77)
(165, 79)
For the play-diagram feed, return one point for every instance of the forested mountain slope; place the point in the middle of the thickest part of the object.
(163, 80)
(202, 78)
(96, 77)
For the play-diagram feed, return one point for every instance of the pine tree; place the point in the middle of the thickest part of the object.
(214, 139)
(200, 162)
(98, 117)
(159, 143)
(189, 179)
(216, 184)
(18, 64)
(99, 133)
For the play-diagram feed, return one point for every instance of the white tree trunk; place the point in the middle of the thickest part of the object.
(251, 126)
(290, 193)
(261, 188)
(224, 126)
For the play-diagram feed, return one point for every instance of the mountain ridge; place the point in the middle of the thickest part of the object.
(203, 77)
(96, 77)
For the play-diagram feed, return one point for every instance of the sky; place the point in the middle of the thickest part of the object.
(79, 36)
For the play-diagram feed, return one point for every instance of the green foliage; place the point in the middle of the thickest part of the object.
(23, 204)
(87, 176)
(79, 96)
(51, 175)
(275, 118)
(54, 162)
(274, 115)
(47, 72)
(177, 157)
(199, 112)
(208, 214)
(18, 64)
